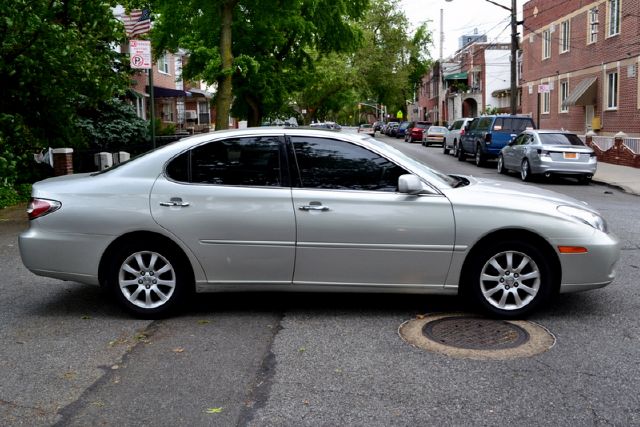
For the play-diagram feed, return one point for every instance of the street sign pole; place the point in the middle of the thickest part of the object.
(140, 53)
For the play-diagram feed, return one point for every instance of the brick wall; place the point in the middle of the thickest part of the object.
(619, 52)
(618, 154)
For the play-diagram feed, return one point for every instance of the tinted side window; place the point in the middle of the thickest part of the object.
(512, 124)
(484, 123)
(253, 161)
(333, 164)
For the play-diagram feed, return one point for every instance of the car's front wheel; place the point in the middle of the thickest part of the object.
(149, 280)
(510, 279)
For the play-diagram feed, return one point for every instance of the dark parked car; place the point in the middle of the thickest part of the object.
(402, 129)
(485, 136)
(391, 128)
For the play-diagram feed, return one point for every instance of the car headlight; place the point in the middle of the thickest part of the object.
(585, 216)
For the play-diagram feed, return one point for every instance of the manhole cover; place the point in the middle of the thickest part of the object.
(463, 336)
(475, 333)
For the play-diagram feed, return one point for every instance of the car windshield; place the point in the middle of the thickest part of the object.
(438, 178)
(420, 126)
(560, 139)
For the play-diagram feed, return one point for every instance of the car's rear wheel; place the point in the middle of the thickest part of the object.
(445, 150)
(501, 168)
(454, 150)
(525, 171)
(149, 280)
(585, 179)
(461, 156)
(510, 279)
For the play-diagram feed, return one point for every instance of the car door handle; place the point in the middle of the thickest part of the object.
(314, 206)
(175, 202)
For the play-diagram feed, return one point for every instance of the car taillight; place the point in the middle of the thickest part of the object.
(543, 153)
(461, 132)
(41, 207)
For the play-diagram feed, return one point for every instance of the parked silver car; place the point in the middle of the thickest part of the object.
(452, 137)
(309, 210)
(548, 152)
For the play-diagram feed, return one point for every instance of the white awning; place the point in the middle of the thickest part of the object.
(583, 94)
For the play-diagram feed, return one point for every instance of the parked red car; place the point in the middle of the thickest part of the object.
(414, 131)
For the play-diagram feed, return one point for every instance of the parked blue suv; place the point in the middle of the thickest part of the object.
(485, 136)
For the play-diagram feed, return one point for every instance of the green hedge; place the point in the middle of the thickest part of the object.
(12, 196)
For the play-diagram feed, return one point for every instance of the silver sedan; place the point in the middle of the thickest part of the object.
(310, 210)
(548, 152)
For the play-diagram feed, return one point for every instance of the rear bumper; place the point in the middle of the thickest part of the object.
(63, 256)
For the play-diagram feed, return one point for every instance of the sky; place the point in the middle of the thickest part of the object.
(460, 17)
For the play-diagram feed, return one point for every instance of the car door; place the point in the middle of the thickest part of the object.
(229, 201)
(354, 228)
(509, 152)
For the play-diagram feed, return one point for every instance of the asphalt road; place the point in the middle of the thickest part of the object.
(69, 356)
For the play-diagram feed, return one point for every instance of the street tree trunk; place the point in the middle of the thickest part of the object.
(225, 96)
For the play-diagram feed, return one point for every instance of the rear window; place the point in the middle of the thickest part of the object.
(457, 125)
(421, 125)
(512, 124)
(560, 139)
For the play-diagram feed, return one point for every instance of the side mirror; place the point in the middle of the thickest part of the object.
(410, 184)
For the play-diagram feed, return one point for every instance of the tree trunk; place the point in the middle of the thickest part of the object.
(255, 115)
(225, 96)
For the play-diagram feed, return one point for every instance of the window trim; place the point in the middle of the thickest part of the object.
(612, 98)
(163, 64)
(546, 44)
(565, 36)
(617, 19)
(593, 22)
(546, 103)
(563, 94)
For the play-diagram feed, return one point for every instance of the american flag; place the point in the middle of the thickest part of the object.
(136, 23)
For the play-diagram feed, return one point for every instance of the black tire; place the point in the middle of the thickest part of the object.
(479, 157)
(584, 179)
(504, 292)
(454, 150)
(445, 150)
(141, 274)
(461, 156)
(525, 171)
(501, 169)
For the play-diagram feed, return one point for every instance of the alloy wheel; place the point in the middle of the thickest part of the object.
(147, 279)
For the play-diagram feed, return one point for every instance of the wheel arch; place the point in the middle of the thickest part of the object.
(512, 234)
(149, 236)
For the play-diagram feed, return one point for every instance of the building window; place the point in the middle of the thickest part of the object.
(612, 90)
(564, 93)
(163, 64)
(592, 35)
(546, 44)
(167, 112)
(565, 36)
(613, 17)
(546, 102)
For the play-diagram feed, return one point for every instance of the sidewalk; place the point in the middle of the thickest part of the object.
(623, 177)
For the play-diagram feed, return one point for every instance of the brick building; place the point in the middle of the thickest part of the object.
(181, 104)
(474, 80)
(580, 64)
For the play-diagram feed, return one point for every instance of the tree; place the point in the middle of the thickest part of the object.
(56, 58)
(391, 60)
(254, 50)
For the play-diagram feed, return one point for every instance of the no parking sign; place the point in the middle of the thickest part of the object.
(140, 51)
